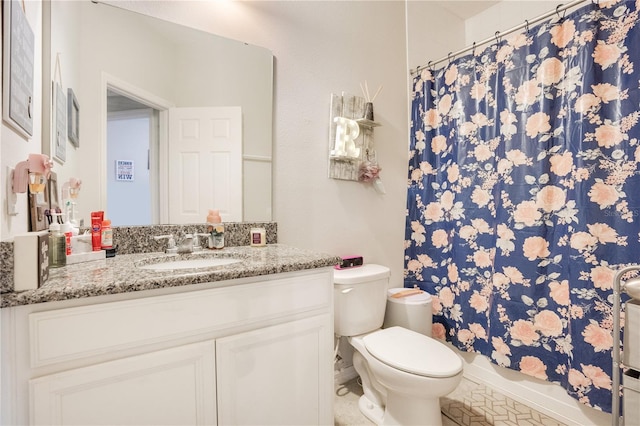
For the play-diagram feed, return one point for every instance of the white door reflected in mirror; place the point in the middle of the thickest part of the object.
(205, 163)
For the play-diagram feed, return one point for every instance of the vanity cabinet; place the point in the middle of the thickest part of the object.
(173, 386)
(249, 351)
(264, 376)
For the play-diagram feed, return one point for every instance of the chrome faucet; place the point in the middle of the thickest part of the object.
(186, 244)
(171, 243)
(197, 247)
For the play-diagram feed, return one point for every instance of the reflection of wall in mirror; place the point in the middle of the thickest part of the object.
(208, 72)
(129, 201)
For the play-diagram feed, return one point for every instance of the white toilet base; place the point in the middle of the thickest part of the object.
(405, 410)
(402, 412)
(372, 411)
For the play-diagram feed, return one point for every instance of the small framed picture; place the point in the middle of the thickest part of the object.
(125, 170)
(73, 118)
(54, 199)
(18, 53)
(39, 210)
(59, 142)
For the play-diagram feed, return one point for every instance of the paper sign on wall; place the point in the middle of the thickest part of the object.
(124, 170)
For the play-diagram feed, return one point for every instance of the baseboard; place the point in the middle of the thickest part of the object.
(343, 375)
(544, 397)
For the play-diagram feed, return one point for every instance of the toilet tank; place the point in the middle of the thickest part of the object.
(360, 297)
(414, 311)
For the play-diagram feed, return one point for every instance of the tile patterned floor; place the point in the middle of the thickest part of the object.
(477, 405)
(471, 404)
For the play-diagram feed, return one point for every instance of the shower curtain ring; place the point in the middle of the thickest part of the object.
(560, 18)
(473, 49)
(526, 25)
(430, 65)
(449, 57)
(497, 36)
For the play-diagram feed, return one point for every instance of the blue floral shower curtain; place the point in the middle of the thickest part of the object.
(524, 194)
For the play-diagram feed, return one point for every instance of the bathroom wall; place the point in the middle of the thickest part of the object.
(503, 16)
(432, 32)
(13, 147)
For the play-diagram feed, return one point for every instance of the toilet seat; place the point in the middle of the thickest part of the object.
(412, 352)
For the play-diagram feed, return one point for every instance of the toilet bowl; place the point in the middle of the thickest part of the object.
(404, 372)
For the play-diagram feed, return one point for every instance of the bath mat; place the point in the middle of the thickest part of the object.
(477, 405)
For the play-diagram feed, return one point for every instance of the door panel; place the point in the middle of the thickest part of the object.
(205, 163)
(279, 375)
(174, 386)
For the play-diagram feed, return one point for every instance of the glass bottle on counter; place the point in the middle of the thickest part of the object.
(107, 235)
(57, 246)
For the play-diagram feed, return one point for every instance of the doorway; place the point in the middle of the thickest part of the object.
(131, 140)
(132, 161)
(206, 167)
(123, 100)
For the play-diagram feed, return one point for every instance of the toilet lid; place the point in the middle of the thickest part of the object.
(412, 352)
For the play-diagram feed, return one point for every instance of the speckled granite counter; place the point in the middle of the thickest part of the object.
(138, 239)
(122, 274)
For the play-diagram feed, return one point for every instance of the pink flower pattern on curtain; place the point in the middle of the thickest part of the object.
(524, 194)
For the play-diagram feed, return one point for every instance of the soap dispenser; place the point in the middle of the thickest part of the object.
(57, 246)
(215, 228)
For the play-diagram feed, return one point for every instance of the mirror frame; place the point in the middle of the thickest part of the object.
(259, 161)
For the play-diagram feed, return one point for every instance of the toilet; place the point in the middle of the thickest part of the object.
(404, 371)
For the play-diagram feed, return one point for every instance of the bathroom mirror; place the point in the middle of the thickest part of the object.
(95, 48)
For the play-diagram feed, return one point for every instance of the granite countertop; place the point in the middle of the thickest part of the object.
(122, 274)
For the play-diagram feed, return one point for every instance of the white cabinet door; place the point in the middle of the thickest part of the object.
(174, 386)
(279, 375)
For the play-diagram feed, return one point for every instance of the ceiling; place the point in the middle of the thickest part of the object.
(465, 9)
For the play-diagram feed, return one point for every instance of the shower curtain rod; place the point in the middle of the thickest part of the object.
(496, 37)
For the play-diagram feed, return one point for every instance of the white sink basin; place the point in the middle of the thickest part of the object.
(205, 262)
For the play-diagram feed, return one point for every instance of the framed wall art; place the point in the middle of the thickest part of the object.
(17, 68)
(59, 142)
(73, 118)
(54, 198)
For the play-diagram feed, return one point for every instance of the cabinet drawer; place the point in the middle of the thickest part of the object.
(80, 332)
